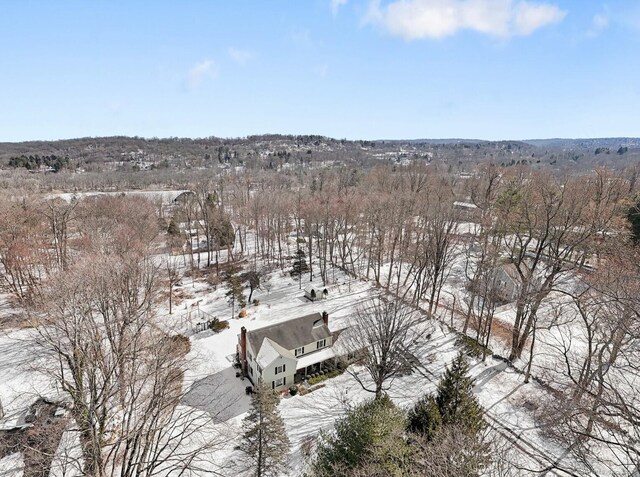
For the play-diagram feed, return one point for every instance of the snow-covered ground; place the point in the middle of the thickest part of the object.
(501, 390)
(212, 386)
(166, 197)
(12, 465)
(21, 381)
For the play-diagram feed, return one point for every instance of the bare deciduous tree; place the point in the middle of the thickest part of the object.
(173, 277)
(385, 334)
(552, 226)
(60, 215)
(25, 253)
(121, 373)
(600, 402)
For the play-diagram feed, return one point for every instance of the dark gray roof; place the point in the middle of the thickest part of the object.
(291, 334)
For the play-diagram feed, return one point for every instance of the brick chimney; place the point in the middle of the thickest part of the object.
(243, 349)
(325, 318)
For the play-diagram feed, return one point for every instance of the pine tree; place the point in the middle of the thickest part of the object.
(300, 266)
(235, 294)
(265, 441)
(455, 399)
(369, 437)
(444, 431)
(173, 228)
(424, 418)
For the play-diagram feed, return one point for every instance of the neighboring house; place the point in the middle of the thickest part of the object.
(315, 293)
(468, 210)
(285, 353)
(184, 197)
(508, 282)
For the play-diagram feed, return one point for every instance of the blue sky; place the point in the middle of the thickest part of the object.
(359, 69)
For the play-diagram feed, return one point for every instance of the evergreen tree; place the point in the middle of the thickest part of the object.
(300, 266)
(212, 199)
(424, 418)
(265, 442)
(173, 228)
(454, 405)
(633, 215)
(235, 294)
(455, 399)
(369, 437)
(222, 230)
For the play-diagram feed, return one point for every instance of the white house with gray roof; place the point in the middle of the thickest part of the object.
(286, 352)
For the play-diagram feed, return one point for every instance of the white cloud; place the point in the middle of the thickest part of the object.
(206, 69)
(335, 6)
(599, 23)
(531, 16)
(240, 56)
(417, 19)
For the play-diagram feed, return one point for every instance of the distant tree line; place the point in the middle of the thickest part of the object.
(33, 162)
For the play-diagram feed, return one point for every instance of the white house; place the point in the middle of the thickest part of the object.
(315, 293)
(280, 355)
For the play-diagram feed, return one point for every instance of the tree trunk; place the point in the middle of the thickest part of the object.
(533, 344)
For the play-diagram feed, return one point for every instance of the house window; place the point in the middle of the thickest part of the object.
(259, 371)
(321, 344)
(299, 351)
(251, 370)
(249, 356)
(281, 369)
(278, 382)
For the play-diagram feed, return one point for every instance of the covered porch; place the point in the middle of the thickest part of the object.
(314, 363)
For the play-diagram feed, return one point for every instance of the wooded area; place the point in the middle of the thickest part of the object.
(88, 272)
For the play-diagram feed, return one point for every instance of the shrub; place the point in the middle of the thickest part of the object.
(424, 418)
(217, 326)
(472, 347)
(315, 378)
(256, 302)
(179, 344)
(293, 390)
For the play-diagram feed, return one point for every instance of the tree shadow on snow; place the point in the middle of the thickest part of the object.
(222, 395)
